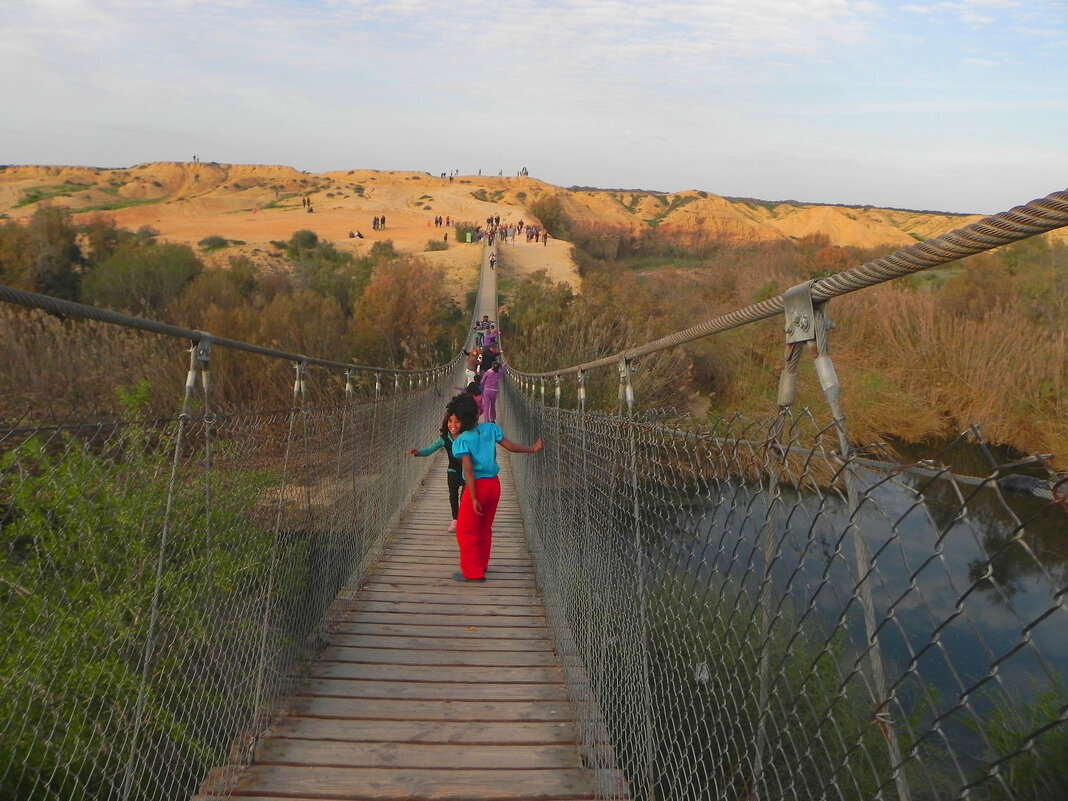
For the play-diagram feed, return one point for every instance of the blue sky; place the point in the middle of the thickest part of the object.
(954, 106)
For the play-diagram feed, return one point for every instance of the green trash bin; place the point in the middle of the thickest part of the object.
(469, 237)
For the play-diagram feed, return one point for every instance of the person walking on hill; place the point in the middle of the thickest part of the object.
(450, 430)
(476, 446)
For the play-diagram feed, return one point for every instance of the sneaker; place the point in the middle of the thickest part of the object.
(452, 526)
(458, 576)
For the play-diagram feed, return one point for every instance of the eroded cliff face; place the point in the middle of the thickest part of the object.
(751, 221)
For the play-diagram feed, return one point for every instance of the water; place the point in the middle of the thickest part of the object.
(967, 588)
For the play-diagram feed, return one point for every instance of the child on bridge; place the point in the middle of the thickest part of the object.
(476, 446)
(450, 429)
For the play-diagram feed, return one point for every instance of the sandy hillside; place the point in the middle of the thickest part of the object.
(255, 206)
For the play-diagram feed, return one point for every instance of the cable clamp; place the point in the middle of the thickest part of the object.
(800, 314)
(202, 350)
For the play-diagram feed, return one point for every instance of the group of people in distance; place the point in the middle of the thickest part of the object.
(471, 446)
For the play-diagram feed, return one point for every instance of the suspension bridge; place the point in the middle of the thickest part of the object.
(259, 602)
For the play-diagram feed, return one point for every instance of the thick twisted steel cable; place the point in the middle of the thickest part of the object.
(66, 308)
(1037, 217)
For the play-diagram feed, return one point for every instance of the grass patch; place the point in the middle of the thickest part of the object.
(124, 203)
(678, 202)
(31, 196)
(488, 197)
(437, 244)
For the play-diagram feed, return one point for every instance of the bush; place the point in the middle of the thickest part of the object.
(383, 251)
(437, 244)
(141, 277)
(463, 229)
(82, 539)
(210, 243)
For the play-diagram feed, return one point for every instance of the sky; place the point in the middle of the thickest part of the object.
(952, 106)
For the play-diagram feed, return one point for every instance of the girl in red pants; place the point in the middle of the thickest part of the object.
(476, 447)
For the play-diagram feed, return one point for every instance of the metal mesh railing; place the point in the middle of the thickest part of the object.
(164, 579)
(743, 615)
(745, 610)
(754, 610)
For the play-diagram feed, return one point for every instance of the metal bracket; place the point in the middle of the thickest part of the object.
(202, 350)
(800, 314)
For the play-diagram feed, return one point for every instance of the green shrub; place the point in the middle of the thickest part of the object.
(141, 277)
(81, 540)
(463, 229)
(210, 243)
(437, 244)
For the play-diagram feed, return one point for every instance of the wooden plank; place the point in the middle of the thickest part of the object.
(470, 732)
(388, 709)
(478, 675)
(445, 619)
(441, 784)
(430, 574)
(397, 656)
(510, 597)
(486, 642)
(433, 690)
(469, 607)
(461, 631)
(422, 590)
(429, 688)
(288, 751)
(253, 797)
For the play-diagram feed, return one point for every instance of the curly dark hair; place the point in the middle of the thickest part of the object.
(465, 409)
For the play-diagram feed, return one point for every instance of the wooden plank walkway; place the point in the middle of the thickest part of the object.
(431, 688)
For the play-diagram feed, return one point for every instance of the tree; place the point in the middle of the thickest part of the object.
(16, 262)
(102, 236)
(320, 266)
(403, 317)
(43, 256)
(141, 277)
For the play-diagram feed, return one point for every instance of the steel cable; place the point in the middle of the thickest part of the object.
(1021, 222)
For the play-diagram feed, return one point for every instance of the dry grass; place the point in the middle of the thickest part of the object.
(912, 370)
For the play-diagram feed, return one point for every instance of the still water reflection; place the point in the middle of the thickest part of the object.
(967, 583)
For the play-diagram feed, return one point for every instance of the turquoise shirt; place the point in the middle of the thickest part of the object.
(480, 443)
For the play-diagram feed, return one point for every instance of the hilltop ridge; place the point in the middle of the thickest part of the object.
(254, 206)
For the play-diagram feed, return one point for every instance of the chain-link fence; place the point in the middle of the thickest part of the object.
(745, 610)
(743, 615)
(164, 578)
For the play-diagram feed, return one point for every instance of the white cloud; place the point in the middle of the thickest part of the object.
(675, 94)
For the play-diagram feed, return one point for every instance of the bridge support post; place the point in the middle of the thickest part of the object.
(199, 359)
(626, 396)
(261, 706)
(626, 388)
(807, 323)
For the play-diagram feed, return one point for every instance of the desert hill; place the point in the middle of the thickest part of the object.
(254, 206)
